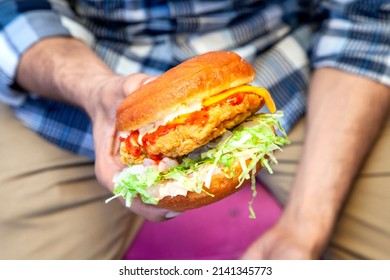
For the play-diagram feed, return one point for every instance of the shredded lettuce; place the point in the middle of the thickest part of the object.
(251, 142)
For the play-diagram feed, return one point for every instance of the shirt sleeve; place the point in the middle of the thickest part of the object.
(22, 24)
(355, 37)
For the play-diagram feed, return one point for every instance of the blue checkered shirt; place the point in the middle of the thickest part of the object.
(283, 40)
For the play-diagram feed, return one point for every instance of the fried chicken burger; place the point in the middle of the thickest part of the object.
(193, 135)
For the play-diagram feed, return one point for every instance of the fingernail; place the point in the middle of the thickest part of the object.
(170, 215)
(148, 80)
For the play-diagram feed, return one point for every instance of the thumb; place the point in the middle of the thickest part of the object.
(134, 82)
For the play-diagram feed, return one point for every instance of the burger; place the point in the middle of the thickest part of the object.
(194, 135)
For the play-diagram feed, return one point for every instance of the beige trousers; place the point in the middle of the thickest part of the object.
(51, 206)
(363, 229)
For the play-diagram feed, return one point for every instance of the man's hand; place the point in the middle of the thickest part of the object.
(345, 116)
(279, 243)
(102, 109)
(67, 70)
(104, 101)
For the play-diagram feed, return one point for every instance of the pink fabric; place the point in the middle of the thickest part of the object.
(218, 231)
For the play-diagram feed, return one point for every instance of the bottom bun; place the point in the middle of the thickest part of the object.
(220, 188)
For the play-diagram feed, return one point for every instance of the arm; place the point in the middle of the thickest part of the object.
(67, 70)
(47, 60)
(354, 109)
(348, 102)
(342, 109)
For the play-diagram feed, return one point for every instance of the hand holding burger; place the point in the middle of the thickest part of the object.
(192, 136)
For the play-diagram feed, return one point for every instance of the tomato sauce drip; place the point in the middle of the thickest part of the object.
(200, 117)
(235, 99)
(151, 138)
(156, 158)
(132, 145)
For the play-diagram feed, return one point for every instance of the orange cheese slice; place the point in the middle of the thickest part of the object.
(269, 102)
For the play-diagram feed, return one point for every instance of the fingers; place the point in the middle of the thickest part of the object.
(151, 212)
(107, 162)
(135, 81)
(105, 171)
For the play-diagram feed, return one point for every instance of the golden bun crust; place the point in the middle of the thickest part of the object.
(221, 187)
(191, 81)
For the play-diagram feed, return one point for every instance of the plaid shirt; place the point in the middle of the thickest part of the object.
(283, 40)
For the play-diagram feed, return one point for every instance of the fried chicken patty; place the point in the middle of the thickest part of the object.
(184, 138)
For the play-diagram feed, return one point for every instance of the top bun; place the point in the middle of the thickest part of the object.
(191, 81)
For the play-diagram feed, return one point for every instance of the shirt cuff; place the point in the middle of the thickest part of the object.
(358, 48)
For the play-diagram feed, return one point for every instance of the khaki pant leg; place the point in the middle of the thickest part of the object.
(363, 229)
(51, 206)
